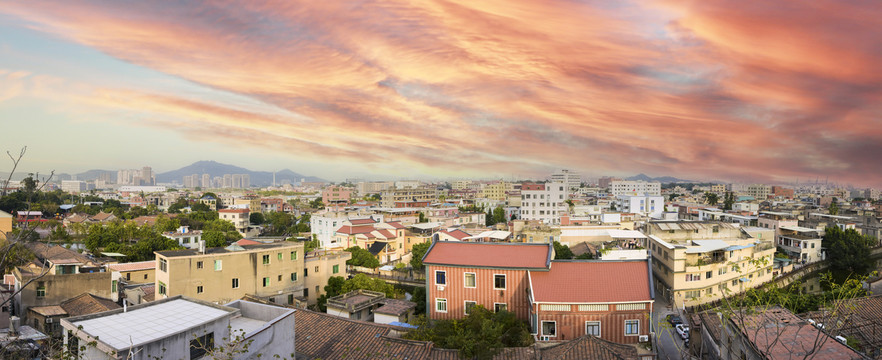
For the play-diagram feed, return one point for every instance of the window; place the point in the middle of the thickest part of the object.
(218, 265)
(592, 328)
(41, 289)
(499, 281)
(549, 328)
(708, 274)
(335, 269)
(632, 327)
(693, 277)
(813, 245)
(316, 269)
(440, 277)
(290, 299)
(279, 278)
(162, 289)
(469, 305)
(145, 276)
(265, 281)
(722, 270)
(201, 345)
(305, 272)
(293, 276)
(113, 286)
(279, 256)
(293, 255)
(198, 264)
(469, 280)
(497, 307)
(235, 283)
(163, 265)
(441, 305)
(129, 276)
(199, 289)
(266, 259)
(735, 282)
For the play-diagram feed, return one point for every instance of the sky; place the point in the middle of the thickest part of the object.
(706, 90)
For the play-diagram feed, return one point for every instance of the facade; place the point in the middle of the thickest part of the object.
(497, 190)
(374, 187)
(395, 194)
(776, 220)
(239, 217)
(461, 275)
(73, 186)
(223, 274)
(699, 262)
(318, 267)
(5, 224)
(182, 328)
(336, 195)
(759, 191)
(566, 301)
(636, 187)
(543, 202)
(571, 178)
(356, 305)
(142, 272)
(185, 237)
(647, 205)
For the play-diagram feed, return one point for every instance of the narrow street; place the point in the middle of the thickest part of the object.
(669, 345)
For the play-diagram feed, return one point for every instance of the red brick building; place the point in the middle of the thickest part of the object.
(562, 300)
(609, 299)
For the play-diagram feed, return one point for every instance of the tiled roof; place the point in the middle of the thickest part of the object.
(52, 310)
(103, 216)
(58, 254)
(133, 266)
(851, 318)
(234, 211)
(500, 255)
(777, 334)
(248, 242)
(457, 234)
(351, 230)
(396, 224)
(592, 282)
(362, 221)
(86, 304)
(395, 307)
(386, 234)
(589, 348)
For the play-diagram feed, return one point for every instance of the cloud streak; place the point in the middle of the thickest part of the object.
(712, 89)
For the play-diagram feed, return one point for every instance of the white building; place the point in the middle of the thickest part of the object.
(544, 202)
(569, 177)
(646, 205)
(144, 189)
(182, 328)
(639, 187)
(185, 237)
(324, 227)
(73, 186)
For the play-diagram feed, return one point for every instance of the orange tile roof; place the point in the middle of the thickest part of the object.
(361, 221)
(363, 229)
(592, 282)
(396, 224)
(238, 211)
(248, 242)
(133, 266)
(458, 234)
(499, 255)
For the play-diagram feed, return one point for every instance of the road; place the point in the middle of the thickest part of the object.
(669, 345)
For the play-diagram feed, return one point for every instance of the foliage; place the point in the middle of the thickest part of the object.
(711, 198)
(417, 253)
(562, 251)
(214, 238)
(362, 281)
(362, 257)
(848, 250)
(333, 288)
(317, 203)
(496, 216)
(585, 256)
(422, 218)
(480, 335)
(256, 218)
(834, 207)
(728, 200)
(419, 297)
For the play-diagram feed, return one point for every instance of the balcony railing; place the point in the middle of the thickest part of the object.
(706, 260)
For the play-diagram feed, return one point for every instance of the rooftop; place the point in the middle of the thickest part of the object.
(86, 303)
(499, 255)
(133, 266)
(219, 250)
(582, 281)
(777, 333)
(395, 307)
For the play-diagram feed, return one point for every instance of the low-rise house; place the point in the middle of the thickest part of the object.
(182, 328)
(609, 299)
(47, 319)
(772, 333)
(222, 274)
(801, 243)
(185, 237)
(356, 305)
(139, 294)
(141, 272)
(318, 267)
(239, 217)
(395, 312)
(858, 319)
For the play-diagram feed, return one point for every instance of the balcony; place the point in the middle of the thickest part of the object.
(706, 260)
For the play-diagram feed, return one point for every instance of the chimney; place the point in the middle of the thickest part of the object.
(202, 246)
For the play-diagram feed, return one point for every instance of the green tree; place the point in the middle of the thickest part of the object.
(834, 207)
(562, 251)
(214, 238)
(333, 288)
(419, 297)
(362, 281)
(362, 257)
(480, 335)
(848, 250)
(256, 218)
(711, 198)
(417, 253)
(728, 200)
(422, 218)
(498, 215)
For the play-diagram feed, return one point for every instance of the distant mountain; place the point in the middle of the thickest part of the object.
(213, 168)
(661, 179)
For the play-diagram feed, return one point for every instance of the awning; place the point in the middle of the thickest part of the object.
(706, 246)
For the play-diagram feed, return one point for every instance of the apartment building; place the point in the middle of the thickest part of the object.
(318, 267)
(221, 275)
(336, 195)
(571, 178)
(635, 187)
(543, 202)
(373, 187)
(801, 243)
(718, 188)
(383, 240)
(392, 195)
(185, 237)
(497, 190)
(775, 220)
(647, 205)
(239, 217)
(699, 262)
(759, 191)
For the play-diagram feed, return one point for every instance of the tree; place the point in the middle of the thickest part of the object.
(363, 282)
(834, 207)
(562, 251)
(362, 257)
(848, 250)
(498, 215)
(711, 198)
(256, 218)
(480, 335)
(214, 238)
(419, 297)
(728, 201)
(333, 288)
(422, 218)
(417, 253)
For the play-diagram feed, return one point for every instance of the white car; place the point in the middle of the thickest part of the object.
(683, 330)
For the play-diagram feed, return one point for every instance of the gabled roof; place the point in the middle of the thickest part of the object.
(352, 230)
(133, 266)
(103, 216)
(362, 221)
(589, 348)
(248, 242)
(496, 255)
(395, 224)
(456, 233)
(592, 282)
(86, 304)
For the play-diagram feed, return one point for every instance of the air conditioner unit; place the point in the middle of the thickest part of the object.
(440, 287)
(643, 338)
(49, 320)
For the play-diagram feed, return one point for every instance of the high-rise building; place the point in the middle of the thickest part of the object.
(638, 187)
(237, 181)
(228, 180)
(569, 177)
(206, 181)
(246, 181)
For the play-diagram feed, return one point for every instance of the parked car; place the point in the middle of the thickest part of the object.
(674, 320)
(683, 330)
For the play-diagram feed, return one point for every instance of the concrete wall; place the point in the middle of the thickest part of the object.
(60, 288)
(325, 262)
